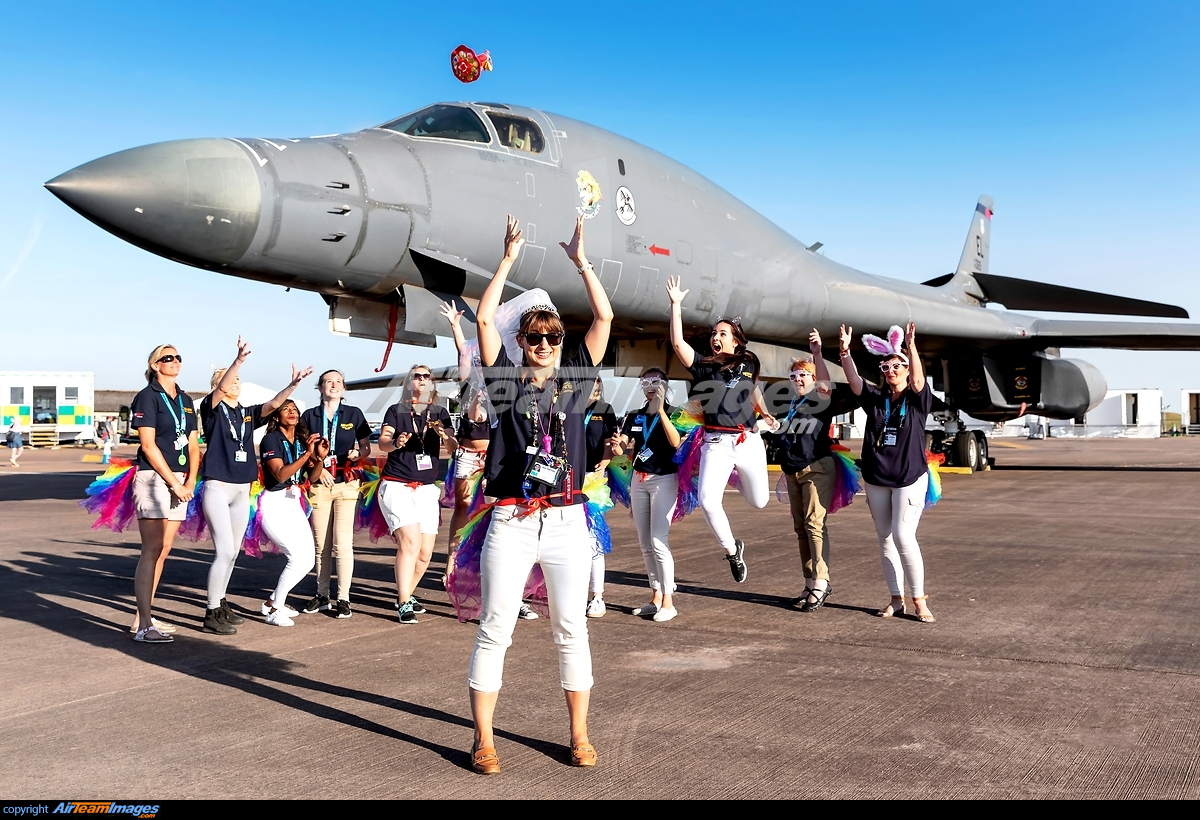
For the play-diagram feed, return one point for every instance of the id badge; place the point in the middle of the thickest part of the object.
(181, 442)
(545, 474)
(239, 456)
(644, 454)
(424, 462)
(889, 438)
(329, 463)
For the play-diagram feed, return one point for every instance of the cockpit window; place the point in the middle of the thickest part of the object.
(449, 122)
(518, 133)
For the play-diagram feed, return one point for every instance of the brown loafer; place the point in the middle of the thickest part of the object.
(486, 761)
(583, 754)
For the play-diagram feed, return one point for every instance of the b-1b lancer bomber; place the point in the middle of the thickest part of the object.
(387, 222)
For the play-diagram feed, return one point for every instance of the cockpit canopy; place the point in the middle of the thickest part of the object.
(451, 122)
(456, 122)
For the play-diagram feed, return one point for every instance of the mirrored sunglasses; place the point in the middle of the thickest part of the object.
(170, 357)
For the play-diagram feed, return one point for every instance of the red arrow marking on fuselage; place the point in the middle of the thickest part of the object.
(657, 251)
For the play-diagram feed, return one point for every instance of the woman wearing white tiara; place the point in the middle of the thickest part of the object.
(725, 383)
(894, 469)
(535, 468)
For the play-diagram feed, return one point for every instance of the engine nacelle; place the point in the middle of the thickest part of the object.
(998, 389)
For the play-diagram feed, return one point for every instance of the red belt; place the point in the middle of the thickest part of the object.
(413, 484)
(532, 505)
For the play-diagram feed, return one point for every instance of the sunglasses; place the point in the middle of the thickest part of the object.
(894, 367)
(170, 357)
(422, 377)
(652, 381)
(535, 339)
(797, 375)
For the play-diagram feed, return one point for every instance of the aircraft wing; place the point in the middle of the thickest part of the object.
(1119, 335)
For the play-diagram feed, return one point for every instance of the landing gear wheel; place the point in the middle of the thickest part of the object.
(966, 450)
(982, 442)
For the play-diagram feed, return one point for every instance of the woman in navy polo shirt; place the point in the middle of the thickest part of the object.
(895, 472)
(601, 424)
(725, 384)
(167, 463)
(651, 440)
(290, 453)
(229, 468)
(334, 497)
(414, 431)
(536, 465)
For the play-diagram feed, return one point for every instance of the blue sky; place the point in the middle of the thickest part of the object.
(871, 127)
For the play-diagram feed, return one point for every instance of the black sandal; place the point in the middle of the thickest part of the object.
(796, 603)
(821, 594)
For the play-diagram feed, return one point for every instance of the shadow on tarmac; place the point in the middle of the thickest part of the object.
(32, 582)
(18, 486)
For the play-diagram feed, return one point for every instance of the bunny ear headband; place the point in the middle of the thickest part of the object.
(891, 346)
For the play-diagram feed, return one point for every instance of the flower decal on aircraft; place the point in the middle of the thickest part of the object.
(589, 195)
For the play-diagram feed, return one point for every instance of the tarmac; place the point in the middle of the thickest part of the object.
(1063, 662)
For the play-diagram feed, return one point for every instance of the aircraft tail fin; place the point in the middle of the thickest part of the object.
(974, 257)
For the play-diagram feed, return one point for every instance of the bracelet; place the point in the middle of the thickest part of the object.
(587, 267)
(844, 354)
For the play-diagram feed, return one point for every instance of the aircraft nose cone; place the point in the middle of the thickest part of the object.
(196, 201)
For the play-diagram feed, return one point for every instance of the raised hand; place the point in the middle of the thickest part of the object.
(674, 292)
(322, 447)
(300, 375)
(574, 248)
(243, 350)
(451, 313)
(513, 240)
(910, 335)
(814, 342)
(845, 336)
(310, 443)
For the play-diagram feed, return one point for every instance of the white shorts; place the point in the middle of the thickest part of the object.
(468, 462)
(152, 497)
(402, 505)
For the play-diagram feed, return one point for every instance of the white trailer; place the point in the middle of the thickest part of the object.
(52, 407)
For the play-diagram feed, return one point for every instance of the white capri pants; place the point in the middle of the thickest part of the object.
(227, 511)
(897, 511)
(652, 500)
(557, 538)
(719, 455)
(285, 523)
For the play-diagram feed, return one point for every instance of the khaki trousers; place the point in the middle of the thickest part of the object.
(333, 527)
(810, 491)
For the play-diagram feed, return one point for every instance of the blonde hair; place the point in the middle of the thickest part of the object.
(803, 363)
(406, 393)
(155, 355)
(216, 377)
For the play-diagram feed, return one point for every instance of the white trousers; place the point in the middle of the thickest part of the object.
(557, 538)
(897, 511)
(652, 500)
(596, 583)
(719, 455)
(227, 511)
(287, 526)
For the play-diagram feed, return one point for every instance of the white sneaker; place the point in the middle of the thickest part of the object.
(596, 608)
(285, 609)
(646, 610)
(527, 613)
(665, 614)
(279, 618)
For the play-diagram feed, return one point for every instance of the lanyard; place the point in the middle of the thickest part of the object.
(887, 410)
(419, 434)
(535, 408)
(180, 418)
(239, 435)
(331, 426)
(291, 458)
(647, 430)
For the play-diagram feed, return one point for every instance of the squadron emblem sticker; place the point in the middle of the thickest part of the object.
(625, 207)
(589, 195)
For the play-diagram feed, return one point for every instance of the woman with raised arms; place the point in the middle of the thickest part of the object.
(725, 383)
(536, 466)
